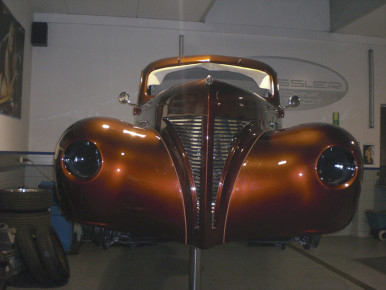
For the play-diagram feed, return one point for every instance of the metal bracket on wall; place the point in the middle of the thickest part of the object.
(371, 88)
(181, 45)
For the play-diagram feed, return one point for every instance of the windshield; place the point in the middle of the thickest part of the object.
(253, 80)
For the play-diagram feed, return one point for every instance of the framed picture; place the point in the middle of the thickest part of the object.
(368, 154)
(11, 63)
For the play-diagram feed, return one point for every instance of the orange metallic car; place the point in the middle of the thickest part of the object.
(206, 162)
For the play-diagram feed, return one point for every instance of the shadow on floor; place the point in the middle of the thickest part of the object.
(378, 263)
(146, 269)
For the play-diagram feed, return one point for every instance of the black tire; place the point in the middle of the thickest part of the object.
(25, 199)
(52, 255)
(26, 220)
(29, 253)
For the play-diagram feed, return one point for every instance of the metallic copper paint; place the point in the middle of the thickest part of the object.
(235, 160)
(269, 186)
(278, 194)
(217, 100)
(184, 172)
(137, 187)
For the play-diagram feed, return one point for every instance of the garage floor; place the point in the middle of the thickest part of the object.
(338, 263)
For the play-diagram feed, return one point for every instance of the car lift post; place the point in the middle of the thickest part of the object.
(195, 269)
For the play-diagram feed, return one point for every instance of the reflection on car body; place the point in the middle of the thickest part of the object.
(206, 162)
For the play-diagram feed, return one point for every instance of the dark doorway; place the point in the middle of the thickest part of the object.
(382, 179)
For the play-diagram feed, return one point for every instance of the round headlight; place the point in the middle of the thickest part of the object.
(82, 159)
(336, 166)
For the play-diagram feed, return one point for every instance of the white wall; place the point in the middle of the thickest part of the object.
(90, 60)
(295, 14)
(82, 71)
(13, 131)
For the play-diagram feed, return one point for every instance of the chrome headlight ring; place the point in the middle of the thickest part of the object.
(82, 159)
(336, 166)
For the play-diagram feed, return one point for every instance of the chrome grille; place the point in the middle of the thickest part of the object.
(189, 131)
(225, 134)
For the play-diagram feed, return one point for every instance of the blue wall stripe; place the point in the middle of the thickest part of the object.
(27, 152)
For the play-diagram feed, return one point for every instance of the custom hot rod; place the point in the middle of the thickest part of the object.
(206, 162)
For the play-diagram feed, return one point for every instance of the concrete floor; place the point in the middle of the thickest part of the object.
(338, 263)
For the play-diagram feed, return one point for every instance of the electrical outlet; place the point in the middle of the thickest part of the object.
(23, 159)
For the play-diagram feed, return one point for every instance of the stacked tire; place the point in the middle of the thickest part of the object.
(39, 246)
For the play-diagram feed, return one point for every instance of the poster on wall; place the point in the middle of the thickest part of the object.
(11, 63)
(368, 154)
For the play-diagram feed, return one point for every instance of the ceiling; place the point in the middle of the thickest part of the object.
(356, 17)
(184, 10)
